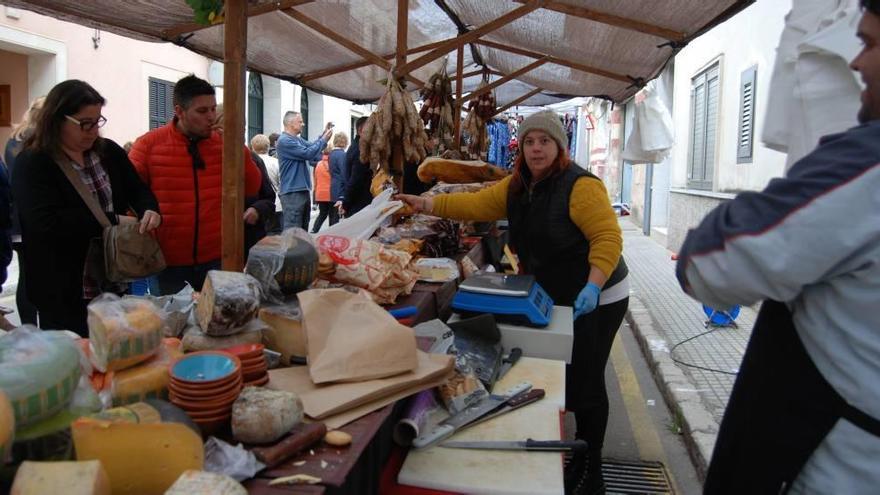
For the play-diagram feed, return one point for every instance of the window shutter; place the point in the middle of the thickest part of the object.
(712, 86)
(161, 106)
(745, 136)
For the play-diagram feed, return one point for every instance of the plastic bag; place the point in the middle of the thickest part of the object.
(437, 269)
(369, 265)
(177, 307)
(39, 372)
(148, 380)
(123, 332)
(235, 462)
(284, 264)
(362, 224)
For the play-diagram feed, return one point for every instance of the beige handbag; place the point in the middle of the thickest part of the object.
(128, 254)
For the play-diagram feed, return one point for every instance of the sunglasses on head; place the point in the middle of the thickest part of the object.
(88, 125)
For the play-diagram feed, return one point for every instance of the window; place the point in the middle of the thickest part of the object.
(304, 111)
(704, 122)
(255, 105)
(747, 100)
(161, 102)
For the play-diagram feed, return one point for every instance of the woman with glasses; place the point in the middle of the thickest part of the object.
(56, 224)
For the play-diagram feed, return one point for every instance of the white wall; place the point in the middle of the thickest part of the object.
(747, 39)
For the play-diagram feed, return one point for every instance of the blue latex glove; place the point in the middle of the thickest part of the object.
(587, 300)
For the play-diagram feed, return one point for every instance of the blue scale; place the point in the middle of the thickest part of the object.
(515, 299)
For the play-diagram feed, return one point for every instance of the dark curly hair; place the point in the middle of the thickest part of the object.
(872, 6)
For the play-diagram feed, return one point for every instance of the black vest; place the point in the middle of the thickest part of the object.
(549, 244)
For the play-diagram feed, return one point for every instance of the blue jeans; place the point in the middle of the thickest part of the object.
(174, 278)
(297, 209)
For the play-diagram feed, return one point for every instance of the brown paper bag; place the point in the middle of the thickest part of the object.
(350, 338)
(324, 401)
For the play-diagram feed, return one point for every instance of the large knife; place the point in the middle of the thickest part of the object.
(529, 444)
(468, 415)
(520, 400)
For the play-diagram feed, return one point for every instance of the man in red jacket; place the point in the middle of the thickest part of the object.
(182, 162)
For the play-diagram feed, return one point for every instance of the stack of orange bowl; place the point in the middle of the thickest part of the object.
(254, 369)
(205, 384)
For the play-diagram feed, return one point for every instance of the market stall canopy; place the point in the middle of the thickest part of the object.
(541, 51)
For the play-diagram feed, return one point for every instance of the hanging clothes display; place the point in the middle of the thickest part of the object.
(499, 138)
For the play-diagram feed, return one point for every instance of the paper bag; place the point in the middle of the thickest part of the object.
(351, 338)
(324, 401)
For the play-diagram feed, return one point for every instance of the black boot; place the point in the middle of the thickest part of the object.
(591, 481)
(575, 468)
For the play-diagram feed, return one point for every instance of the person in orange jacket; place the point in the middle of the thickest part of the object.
(182, 162)
(322, 192)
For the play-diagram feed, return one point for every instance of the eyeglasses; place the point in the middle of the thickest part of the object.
(88, 125)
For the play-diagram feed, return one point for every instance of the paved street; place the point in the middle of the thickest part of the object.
(663, 316)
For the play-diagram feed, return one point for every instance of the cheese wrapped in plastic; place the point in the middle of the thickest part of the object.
(7, 427)
(147, 380)
(229, 301)
(194, 339)
(123, 332)
(284, 264)
(39, 372)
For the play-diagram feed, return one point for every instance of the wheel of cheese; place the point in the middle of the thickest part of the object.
(123, 332)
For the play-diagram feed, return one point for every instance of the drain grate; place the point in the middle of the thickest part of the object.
(635, 477)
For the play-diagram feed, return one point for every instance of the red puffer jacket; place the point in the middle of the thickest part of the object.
(189, 198)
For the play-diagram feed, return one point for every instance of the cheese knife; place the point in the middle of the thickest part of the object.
(528, 444)
(523, 399)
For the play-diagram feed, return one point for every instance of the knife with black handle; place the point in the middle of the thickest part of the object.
(516, 402)
(529, 444)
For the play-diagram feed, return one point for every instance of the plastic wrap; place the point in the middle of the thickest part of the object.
(369, 265)
(7, 428)
(437, 269)
(148, 380)
(229, 300)
(364, 223)
(39, 372)
(284, 264)
(233, 461)
(123, 332)
(177, 309)
(194, 339)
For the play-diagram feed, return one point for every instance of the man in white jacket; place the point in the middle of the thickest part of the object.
(803, 415)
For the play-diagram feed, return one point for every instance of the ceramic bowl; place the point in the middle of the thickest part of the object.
(210, 414)
(254, 361)
(212, 425)
(245, 351)
(258, 382)
(254, 375)
(190, 403)
(190, 390)
(205, 367)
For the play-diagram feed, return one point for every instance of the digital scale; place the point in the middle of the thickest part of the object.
(516, 299)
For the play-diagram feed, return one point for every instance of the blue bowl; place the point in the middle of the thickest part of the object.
(204, 367)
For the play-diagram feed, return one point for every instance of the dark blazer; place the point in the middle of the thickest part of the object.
(56, 224)
(357, 189)
(338, 174)
(263, 202)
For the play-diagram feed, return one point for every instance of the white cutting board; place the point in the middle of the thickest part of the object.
(548, 374)
(493, 472)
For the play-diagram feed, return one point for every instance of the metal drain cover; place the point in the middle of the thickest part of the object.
(635, 477)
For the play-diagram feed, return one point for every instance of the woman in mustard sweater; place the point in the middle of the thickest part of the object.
(565, 233)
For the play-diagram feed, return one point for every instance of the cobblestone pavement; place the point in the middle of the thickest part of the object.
(676, 317)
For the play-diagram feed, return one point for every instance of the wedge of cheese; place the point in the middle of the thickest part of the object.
(205, 483)
(141, 458)
(67, 477)
(286, 335)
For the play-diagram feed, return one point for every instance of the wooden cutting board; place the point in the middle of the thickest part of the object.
(493, 472)
(548, 374)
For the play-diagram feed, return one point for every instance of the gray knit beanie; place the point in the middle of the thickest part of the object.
(547, 121)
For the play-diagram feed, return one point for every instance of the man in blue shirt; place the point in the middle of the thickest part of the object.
(294, 153)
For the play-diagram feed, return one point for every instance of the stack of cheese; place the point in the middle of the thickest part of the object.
(127, 349)
(226, 313)
(39, 372)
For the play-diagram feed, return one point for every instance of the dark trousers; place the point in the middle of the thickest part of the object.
(70, 315)
(27, 312)
(325, 209)
(175, 278)
(585, 392)
(273, 225)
